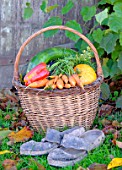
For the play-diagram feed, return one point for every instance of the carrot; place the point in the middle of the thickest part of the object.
(39, 83)
(55, 79)
(49, 82)
(65, 78)
(53, 86)
(60, 83)
(67, 86)
(60, 75)
(81, 84)
(72, 81)
(78, 80)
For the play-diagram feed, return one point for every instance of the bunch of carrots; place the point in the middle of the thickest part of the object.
(39, 77)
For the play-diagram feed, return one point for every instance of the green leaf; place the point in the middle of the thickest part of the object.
(120, 38)
(115, 22)
(105, 61)
(28, 12)
(50, 8)
(119, 102)
(116, 52)
(105, 71)
(52, 21)
(114, 70)
(88, 12)
(81, 44)
(76, 26)
(105, 91)
(102, 2)
(120, 61)
(28, 4)
(4, 133)
(43, 6)
(109, 42)
(101, 16)
(118, 8)
(97, 35)
(67, 7)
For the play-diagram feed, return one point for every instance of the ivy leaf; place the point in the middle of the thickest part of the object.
(81, 44)
(119, 102)
(28, 4)
(105, 71)
(118, 8)
(52, 21)
(43, 6)
(120, 61)
(120, 38)
(114, 70)
(101, 16)
(76, 26)
(50, 8)
(97, 35)
(115, 22)
(105, 91)
(67, 7)
(88, 12)
(108, 42)
(102, 2)
(116, 52)
(28, 12)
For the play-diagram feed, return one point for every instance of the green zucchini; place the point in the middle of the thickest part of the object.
(50, 54)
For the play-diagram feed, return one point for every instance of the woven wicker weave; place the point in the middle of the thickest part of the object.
(59, 108)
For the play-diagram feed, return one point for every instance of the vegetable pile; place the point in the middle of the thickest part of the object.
(58, 68)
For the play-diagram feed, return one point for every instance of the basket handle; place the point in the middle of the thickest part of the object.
(16, 64)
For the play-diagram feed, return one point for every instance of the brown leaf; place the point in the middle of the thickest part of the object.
(9, 164)
(3, 106)
(116, 134)
(115, 123)
(105, 109)
(105, 122)
(81, 168)
(109, 130)
(96, 166)
(21, 136)
(7, 117)
(12, 98)
(117, 143)
(41, 167)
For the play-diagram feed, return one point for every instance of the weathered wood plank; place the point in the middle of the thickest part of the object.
(14, 30)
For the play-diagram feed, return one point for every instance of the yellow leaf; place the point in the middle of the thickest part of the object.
(5, 151)
(115, 163)
(21, 136)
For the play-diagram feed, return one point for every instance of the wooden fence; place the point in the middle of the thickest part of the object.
(14, 30)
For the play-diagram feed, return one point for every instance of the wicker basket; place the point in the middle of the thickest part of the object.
(59, 108)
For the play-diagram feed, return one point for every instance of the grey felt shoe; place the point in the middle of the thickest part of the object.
(55, 136)
(87, 141)
(37, 148)
(62, 157)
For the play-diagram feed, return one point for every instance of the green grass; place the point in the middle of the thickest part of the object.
(101, 155)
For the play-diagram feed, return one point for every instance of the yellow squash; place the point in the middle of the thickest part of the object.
(86, 73)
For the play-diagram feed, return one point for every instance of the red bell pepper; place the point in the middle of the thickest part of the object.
(43, 74)
(34, 72)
